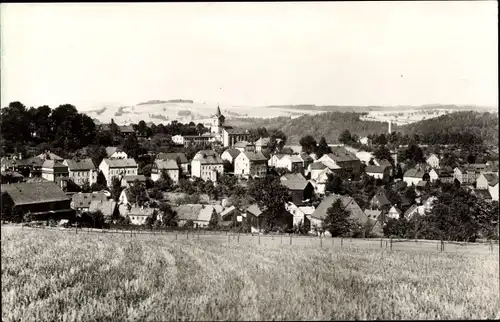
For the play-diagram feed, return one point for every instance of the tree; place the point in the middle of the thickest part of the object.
(270, 196)
(101, 179)
(86, 187)
(308, 144)
(214, 221)
(228, 166)
(338, 221)
(209, 189)
(131, 146)
(383, 153)
(165, 183)
(138, 193)
(323, 148)
(345, 137)
(168, 215)
(116, 188)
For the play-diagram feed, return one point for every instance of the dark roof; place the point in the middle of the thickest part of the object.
(83, 200)
(293, 176)
(422, 183)
(384, 163)
(235, 131)
(254, 210)
(168, 164)
(415, 173)
(295, 184)
(112, 149)
(410, 210)
(287, 150)
(126, 129)
(107, 207)
(208, 157)
(340, 154)
(317, 166)
(80, 164)
(255, 156)
(483, 194)
(52, 164)
(188, 211)
(139, 177)
(242, 144)
(36, 192)
(305, 157)
(347, 202)
(121, 163)
(233, 152)
(13, 174)
(382, 199)
(179, 157)
(491, 178)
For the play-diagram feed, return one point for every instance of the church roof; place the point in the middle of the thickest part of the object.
(218, 111)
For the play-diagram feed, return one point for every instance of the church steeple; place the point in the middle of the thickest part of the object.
(218, 111)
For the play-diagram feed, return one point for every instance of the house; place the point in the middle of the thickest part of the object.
(414, 210)
(433, 175)
(291, 162)
(273, 161)
(169, 165)
(49, 156)
(380, 201)
(138, 215)
(250, 164)
(320, 181)
(383, 163)
(373, 213)
(231, 214)
(320, 213)
(257, 219)
(300, 190)
(433, 161)
(178, 139)
(421, 185)
(114, 152)
(364, 156)
(108, 207)
(231, 135)
(200, 215)
(300, 213)
(230, 154)
(125, 198)
(179, 157)
(343, 158)
(129, 180)
(394, 213)
(482, 194)
(43, 200)
(492, 166)
(204, 139)
(243, 146)
(459, 174)
(488, 181)
(53, 170)
(306, 159)
(414, 176)
(207, 165)
(315, 169)
(126, 130)
(112, 168)
(261, 144)
(81, 201)
(81, 171)
(378, 172)
(293, 176)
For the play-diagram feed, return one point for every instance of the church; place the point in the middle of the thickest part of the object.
(226, 134)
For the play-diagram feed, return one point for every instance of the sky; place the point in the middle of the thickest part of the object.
(251, 54)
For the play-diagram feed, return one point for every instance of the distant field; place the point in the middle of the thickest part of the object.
(59, 275)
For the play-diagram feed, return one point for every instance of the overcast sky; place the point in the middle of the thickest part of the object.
(338, 53)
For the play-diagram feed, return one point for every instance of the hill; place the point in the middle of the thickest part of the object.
(483, 124)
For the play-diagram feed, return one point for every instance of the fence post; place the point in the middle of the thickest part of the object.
(391, 243)
(281, 239)
(187, 234)
(198, 234)
(76, 230)
(380, 242)
(320, 242)
(341, 241)
(259, 238)
(176, 235)
(290, 239)
(238, 237)
(386, 241)
(333, 241)
(228, 239)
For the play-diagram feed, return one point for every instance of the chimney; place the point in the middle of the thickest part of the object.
(390, 127)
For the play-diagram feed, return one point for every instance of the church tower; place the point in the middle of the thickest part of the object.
(217, 122)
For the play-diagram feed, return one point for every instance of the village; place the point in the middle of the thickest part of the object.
(213, 188)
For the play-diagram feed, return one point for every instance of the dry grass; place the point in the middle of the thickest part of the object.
(50, 276)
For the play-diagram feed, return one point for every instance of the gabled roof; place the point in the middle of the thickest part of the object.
(138, 211)
(307, 210)
(294, 158)
(254, 210)
(83, 200)
(414, 173)
(374, 214)
(80, 164)
(107, 207)
(51, 164)
(262, 141)
(384, 163)
(410, 210)
(305, 157)
(422, 184)
(341, 154)
(168, 164)
(235, 131)
(227, 211)
(208, 157)
(120, 163)
(32, 193)
(295, 184)
(35, 162)
(205, 213)
(483, 194)
(242, 144)
(188, 211)
(293, 176)
(255, 156)
(126, 129)
(233, 152)
(112, 149)
(179, 157)
(491, 178)
(381, 198)
(347, 202)
(318, 166)
(394, 208)
(331, 165)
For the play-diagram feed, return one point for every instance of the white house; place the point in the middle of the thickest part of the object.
(261, 143)
(168, 165)
(114, 152)
(117, 168)
(433, 161)
(243, 146)
(178, 157)
(53, 170)
(273, 161)
(365, 140)
(433, 175)
(178, 139)
(394, 213)
(488, 181)
(300, 214)
(377, 172)
(230, 154)
(81, 171)
(364, 156)
(414, 176)
(81, 201)
(207, 165)
(250, 164)
(291, 162)
(200, 215)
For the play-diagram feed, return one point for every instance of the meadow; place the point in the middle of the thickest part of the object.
(52, 275)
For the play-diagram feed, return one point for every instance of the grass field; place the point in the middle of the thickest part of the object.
(50, 275)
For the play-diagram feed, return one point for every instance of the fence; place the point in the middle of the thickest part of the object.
(225, 237)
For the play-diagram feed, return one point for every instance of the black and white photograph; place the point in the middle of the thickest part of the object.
(249, 161)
